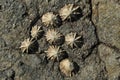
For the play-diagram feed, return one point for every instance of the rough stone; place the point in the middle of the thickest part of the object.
(107, 20)
(111, 60)
(17, 17)
(94, 68)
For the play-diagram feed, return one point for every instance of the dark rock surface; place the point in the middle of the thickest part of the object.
(98, 57)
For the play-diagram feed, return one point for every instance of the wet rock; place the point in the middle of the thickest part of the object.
(109, 57)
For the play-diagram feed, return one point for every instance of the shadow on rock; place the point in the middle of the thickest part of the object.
(34, 48)
(77, 16)
(76, 68)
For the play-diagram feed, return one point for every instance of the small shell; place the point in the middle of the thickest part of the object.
(67, 11)
(50, 19)
(35, 31)
(52, 35)
(26, 44)
(71, 38)
(53, 52)
(66, 67)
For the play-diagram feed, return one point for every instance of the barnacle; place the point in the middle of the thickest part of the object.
(50, 19)
(52, 35)
(53, 52)
(66, 67)
(35, 31)
(71, 39)
(26, 44)
(67, 11)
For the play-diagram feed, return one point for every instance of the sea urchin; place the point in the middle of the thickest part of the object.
(52, 35)
(53, 52)
(66, 67)
(71, 39)
(35, 31)
(26, 45)
(50, 19)
(67, 11)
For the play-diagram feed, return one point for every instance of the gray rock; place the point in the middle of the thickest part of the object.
(107, 19)
(109, 57)
(94, 68)
(17, 17)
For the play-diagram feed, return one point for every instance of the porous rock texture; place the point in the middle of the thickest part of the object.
(97, 58)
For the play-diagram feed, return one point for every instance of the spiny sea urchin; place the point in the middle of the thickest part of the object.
(52, 35)
(67, 11)
(26, 45)
(50, 19)
(53, 52)
(71, 39)
(35, 31)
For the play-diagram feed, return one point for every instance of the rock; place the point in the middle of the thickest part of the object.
(8, 58)
(22, 71)
(11, 73)
(109, 57)
(17, 17)
(2, 76)
(4, 65)
(31, 60)
(2, 43)
(107, 21)
(94, 68)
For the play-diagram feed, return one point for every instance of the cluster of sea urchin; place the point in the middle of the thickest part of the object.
(52, 35)
(66, 13)
(28, 43)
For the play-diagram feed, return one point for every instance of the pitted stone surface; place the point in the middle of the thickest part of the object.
(17, 17)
